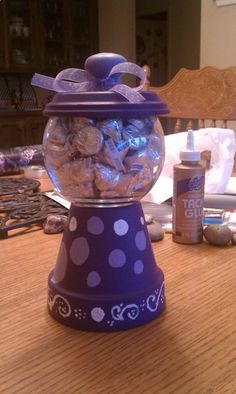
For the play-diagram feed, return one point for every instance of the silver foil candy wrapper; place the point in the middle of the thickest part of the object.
(112, 128)
(77, 124)
(95, 158)
(88, 140)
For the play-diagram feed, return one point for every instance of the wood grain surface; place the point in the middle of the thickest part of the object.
(190, 348)
(207, 95)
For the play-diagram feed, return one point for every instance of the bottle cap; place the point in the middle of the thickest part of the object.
(190, 153)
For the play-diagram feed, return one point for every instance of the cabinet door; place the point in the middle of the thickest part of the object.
(12, 133)
(21, 35)
(83, 32)
(2, 38)
(47, 35)
(53, 34)
(34, 128)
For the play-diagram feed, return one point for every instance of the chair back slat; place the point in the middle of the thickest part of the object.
(207, 94)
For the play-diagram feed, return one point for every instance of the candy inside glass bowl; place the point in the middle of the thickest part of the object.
(99, 160)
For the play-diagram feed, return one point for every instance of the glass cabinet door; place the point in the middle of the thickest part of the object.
(20, 34)
(53, 38)
(2, 38)
(46, 35)
(83, 40)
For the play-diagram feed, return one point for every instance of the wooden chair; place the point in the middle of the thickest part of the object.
(206, 95)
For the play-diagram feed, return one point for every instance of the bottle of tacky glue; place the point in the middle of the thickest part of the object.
(188, 196)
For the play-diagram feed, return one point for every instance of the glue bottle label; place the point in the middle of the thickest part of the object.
(188, 200)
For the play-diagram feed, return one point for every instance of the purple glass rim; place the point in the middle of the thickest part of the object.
(104, 104)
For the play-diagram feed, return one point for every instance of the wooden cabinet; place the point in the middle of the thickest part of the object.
(43, 36)
(2, 38)
(83, 31)
(53, 33)
(18, 128)
(46, 35)
(20, 51)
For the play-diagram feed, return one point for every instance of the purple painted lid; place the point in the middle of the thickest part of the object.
(105, 104)
(101, 100)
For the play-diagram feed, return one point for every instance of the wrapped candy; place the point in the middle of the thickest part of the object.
(112, 128)
(103, 158)
(137, 160)
(84, 190)
(105, 177)
(57, 130)
(77, 123)
(88, 140)
(57, 155)
(112, 155)
(143, 178)
(136, 143)
(125, 184)
(80, 170)
(137, 123)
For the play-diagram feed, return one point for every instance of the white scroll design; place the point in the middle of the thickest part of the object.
(118, 311)
(153, 300)
(61, 304)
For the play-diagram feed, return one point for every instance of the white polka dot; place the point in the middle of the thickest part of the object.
(140, 240)
(73, 224)
(60, 269)
(117, 258)
(95, 225)
(79, 250)
(142, 220)
(97, 314)
(138, 267)
(121, 227)
(93, 279)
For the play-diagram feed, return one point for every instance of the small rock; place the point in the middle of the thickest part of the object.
(54, 224)
(233, 240)
(218, 234)
(155, 231)
(148, 218)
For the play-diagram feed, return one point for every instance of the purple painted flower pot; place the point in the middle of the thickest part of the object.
(106, 277)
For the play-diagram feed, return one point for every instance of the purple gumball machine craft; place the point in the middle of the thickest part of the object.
(104, 149)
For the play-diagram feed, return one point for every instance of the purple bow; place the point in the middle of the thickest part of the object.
(77, 80)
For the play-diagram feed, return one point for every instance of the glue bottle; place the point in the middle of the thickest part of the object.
(188, 195)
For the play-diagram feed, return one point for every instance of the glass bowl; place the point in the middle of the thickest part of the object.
(103, 160)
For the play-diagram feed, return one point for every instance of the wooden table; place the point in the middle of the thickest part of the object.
(190, 348)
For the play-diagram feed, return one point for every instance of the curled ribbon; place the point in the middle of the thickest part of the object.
(76, 80)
